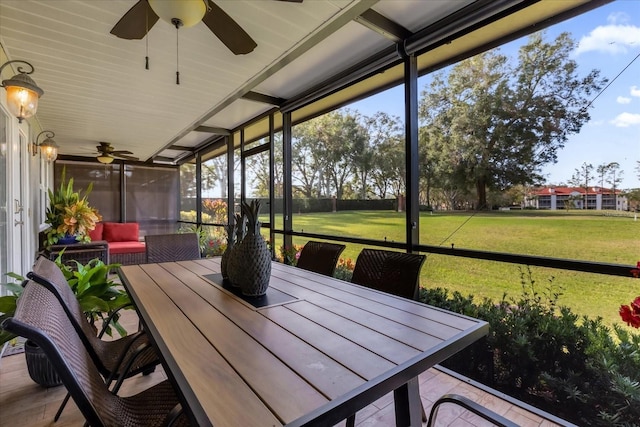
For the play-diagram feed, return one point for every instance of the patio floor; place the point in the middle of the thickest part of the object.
(24, 403)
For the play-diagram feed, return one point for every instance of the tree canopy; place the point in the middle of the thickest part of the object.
(492, 123)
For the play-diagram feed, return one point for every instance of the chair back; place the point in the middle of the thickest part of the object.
(320, 257)
(172, 247)
(396, 273)
(40, 318)
(47, 274)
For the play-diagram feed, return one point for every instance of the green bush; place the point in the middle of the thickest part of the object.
(543, 354)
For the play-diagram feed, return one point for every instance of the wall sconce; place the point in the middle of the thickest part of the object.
(22, 92)
(48, 147)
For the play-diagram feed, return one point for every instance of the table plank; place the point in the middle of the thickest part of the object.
(440, 324)
(329, 376)
(288, 395)
(359, 359)
(433, 313)
(232, 402)
(383, 345)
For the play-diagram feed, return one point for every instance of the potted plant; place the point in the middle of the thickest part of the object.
(69, 215)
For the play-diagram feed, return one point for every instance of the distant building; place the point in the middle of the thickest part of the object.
(559, 197)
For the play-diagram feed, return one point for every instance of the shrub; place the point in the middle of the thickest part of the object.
(344, 269)
(549, 357)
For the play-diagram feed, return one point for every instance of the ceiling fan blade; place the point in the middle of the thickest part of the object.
(118, 152)
(228, 30)
(292, 1)
(134, 25)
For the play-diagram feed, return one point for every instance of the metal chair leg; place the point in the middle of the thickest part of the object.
(61, 408)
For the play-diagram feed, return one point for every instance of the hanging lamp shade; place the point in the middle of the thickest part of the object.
(22, 93)
(105, 159)
(189, 12)
(49, 150)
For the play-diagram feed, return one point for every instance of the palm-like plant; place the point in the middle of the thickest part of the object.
(70, 214)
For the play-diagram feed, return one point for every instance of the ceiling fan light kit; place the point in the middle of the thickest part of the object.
(187, 12)
(106, 159)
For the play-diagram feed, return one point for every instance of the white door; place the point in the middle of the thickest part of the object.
(4, 189)
(13, 215)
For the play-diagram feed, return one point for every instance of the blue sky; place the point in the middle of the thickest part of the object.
(609, 40)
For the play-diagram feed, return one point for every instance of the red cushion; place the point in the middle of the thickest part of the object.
(96, 233)
(126, 247)
(120, 232)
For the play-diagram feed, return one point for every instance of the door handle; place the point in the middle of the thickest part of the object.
(16, 222)
(18, 206)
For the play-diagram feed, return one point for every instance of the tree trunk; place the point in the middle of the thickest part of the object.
(481, 189)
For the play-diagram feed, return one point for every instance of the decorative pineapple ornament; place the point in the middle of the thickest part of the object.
(233, 261)
(254, 255)
(231, 240)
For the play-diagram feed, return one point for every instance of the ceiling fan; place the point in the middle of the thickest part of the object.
(145, 13)
(106, 153)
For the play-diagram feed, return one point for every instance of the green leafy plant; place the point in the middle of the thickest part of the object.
(540, 352)
(290, 255)
(8, 305)
(70, 214)
(97, 294)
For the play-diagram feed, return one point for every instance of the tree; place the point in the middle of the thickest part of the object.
(610, 173)
(387, 162)
(188, 181)
(581, 178)
(323, 154)
(499, 121)
(258, 167)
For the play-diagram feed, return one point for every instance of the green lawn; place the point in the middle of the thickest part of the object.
(574, 235)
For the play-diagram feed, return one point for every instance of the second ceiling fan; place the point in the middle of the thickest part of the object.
(145, 13)
(106, 153)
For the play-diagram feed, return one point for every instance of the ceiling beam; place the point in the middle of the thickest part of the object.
(266, 99)
(180, 148)
(383, 25)
(164, 159)
(210, 129)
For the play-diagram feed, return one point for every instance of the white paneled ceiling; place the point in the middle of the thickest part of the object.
(97, 88)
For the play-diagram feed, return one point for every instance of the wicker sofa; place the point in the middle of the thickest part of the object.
(123, 240)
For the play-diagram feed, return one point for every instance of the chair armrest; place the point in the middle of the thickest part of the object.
(107, 321)
(485, 413)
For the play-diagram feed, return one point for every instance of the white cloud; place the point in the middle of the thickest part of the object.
(625, 120)
(634, 91)
(612, 39)
(623, 100)
(618, 18)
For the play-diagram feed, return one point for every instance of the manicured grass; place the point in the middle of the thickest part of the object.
(574, 235)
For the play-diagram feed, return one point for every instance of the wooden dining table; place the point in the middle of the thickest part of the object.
(311, 352)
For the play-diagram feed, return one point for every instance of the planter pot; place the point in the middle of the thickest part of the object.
(67, 240)
(40, 369)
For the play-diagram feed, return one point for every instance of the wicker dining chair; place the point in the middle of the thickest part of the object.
(172, 247)
(115, 359)
(40, 317)
(396, 273)
(320, 257)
